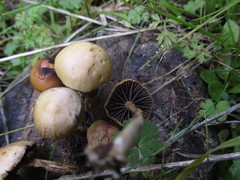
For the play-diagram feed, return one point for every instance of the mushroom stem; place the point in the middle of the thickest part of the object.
(125, 140)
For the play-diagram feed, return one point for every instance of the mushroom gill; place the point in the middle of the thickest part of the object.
(123, 93)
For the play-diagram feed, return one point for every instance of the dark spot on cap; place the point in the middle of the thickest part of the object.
(46, 71)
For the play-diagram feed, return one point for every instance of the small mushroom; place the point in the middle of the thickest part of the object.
(83, 66)
(43, 75)
(125, 92)
(100, 132)
(11, 155)
(58, 112)
(114, 154)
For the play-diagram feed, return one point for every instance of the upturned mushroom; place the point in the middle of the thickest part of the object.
(100, 131)
(58, 112)
(83, 66)
(11, 155)
(123, 93)
(43, 75)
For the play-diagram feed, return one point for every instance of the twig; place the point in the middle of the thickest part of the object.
(66, 44)
(5, 128)
(70, 37)
(65, 12)
(228, 111)
(211, 159)
(76, 33)
(53, 166)
(224, 122)
(187, 130)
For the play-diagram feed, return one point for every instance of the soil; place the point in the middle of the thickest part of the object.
(174, 105)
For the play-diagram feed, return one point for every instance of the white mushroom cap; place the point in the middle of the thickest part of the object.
(11, 155)
(83, 66)
(57, 112)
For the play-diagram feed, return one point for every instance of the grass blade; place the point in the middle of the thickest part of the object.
(230, 143)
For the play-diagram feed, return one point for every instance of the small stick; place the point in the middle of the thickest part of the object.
(180, 164)
(186, 130)
(53, 166)
(228, 111)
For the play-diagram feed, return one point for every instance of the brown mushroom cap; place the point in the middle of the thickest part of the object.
(11, 155)
(124, 92)
(100, 132)
(83, 66)
(43, 76)
(57, 112)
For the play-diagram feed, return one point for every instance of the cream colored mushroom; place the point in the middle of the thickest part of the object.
(11, 155)
(58, 112)
(83, 66)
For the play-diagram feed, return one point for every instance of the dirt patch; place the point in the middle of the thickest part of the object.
(175, 104)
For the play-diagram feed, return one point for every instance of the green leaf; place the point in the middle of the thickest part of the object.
(11, 47)
(150, 147)
(235, 89)
(138, 16)
(135, 16)
(71, 4)
(231, 32)
(230, 143)
(134, 156)
(15, 62)
(220, 107)
(208, 76)
(166, 38)
(155, 17)
(207, 109)
(146, 146)
(203, 56)
(145, 17)
(193, 6)
(216, 89)
(235, 169)
(189, 53)
(148, 132)
(223, 135)
(222, 73)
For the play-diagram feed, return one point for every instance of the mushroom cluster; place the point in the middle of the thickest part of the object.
(81, 67)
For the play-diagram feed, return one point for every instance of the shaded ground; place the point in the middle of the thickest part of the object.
(175, 104)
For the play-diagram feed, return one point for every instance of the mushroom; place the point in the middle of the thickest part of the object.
(58, 112)
(43, 76)
(83, 66)
(122, 94)
(100, 132)
(11, 155)
(113, 154)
